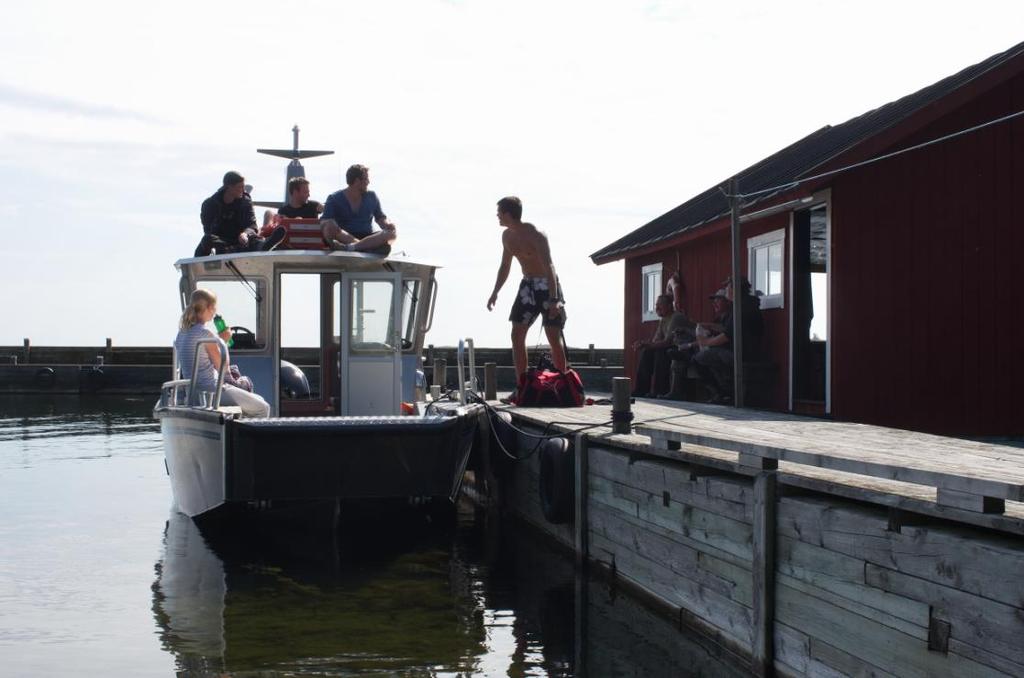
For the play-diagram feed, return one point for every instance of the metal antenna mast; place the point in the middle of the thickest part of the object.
(295, 168)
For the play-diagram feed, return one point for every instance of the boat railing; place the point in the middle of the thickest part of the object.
(466, 385)
(170, 389)
(433, 300)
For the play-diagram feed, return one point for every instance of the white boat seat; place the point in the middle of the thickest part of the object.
(230, 409)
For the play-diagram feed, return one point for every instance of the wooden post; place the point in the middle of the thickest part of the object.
(430, 354)
(621, 411)
(440, 374)
(108, 352)
(581, 523)
(592, 357)
(763, 573)
(27, 350)
(490, 381)
(581, 640)
(737, 293)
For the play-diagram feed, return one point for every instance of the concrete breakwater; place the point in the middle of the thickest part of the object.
(142, 369)
(804, 547)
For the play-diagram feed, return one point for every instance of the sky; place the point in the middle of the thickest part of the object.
(119, 118)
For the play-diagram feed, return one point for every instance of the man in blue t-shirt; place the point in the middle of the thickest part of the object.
(347, 221)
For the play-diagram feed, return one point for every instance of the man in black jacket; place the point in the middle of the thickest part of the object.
(229, 223)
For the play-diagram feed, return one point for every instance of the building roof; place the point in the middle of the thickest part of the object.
(796, 161)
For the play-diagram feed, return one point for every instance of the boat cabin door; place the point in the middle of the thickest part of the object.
(371, 343)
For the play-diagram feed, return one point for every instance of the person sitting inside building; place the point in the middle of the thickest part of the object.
(349, 214)
(652, 371)
(192, 329)
(714, 341)
(229, 223)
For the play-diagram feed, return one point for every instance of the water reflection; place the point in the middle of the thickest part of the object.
(95, 426)
(402, 598)
(397, 599)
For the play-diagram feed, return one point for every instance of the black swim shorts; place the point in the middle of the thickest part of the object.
(529, 304)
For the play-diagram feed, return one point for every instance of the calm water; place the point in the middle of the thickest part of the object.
(99, 577)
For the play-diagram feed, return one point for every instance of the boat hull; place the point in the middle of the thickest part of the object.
(194, 456)
(247, 461)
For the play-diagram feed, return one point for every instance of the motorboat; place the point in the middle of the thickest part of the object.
(333, 341)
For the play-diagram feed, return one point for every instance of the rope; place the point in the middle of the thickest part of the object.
(491, 412)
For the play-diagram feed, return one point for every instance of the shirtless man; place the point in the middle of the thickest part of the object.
(530, 247)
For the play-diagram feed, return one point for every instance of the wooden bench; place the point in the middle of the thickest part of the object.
(759, 380)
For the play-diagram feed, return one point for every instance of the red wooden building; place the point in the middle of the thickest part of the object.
(892, 289)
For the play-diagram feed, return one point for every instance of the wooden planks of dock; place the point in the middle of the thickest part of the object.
(809, 547)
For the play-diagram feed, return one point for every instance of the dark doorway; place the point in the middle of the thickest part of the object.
(810, 310)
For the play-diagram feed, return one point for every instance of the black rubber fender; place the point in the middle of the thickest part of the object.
(502, 436)
(294, 384)
(557, 482)
(45, 377)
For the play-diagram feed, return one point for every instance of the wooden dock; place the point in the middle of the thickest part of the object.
(810, 547)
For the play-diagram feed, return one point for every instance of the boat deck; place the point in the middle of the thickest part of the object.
(979, 483)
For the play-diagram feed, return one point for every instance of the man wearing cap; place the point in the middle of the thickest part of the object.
(229, 223)
(714, 359)
(347, 221)
(653, 363)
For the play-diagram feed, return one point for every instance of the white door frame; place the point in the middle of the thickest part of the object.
(823, 197)
(390, 360)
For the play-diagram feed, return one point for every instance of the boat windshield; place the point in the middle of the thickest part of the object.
(237, 304)
(410, 302)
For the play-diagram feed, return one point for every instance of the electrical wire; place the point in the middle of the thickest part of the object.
(879, 158)
(491, 412)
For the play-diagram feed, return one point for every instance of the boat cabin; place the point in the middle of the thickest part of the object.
(354, 323)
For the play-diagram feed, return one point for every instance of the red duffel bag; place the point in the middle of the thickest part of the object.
(540, 387)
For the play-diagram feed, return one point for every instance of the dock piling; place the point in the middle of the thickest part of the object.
(581, 527)
(440, 374)
(763, 572)
(622, 413)
(27, 350)
(490, 381)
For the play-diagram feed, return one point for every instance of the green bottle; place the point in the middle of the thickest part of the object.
(219, 323)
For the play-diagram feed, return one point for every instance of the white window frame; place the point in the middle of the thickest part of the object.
(648, 303)
(765, 241)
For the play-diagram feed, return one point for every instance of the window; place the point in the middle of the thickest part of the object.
(651, 286)
(764, 257)
(236, 303)
(370, 321)
(300, 331)
(410, 304)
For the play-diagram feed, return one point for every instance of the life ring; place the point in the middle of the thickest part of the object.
(557, 484)
(45, 377)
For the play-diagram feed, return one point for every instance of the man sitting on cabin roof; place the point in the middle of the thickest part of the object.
(229, 223)
(349, 214)
(299, 206)
(652, 371)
